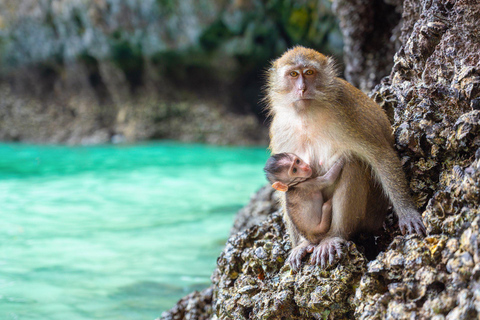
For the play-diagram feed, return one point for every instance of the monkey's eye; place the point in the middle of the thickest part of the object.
(309, 72)
(294, 170)
(293, 74)
(298, 161)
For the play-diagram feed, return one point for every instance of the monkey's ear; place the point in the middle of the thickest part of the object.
(280, 186)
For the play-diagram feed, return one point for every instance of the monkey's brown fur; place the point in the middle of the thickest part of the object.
(321, 117)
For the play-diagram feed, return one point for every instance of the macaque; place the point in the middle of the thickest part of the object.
(321, 117)
(305, 203)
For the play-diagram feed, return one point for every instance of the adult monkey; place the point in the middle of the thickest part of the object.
(321, 117)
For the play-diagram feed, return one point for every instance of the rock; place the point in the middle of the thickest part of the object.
(371, 34)
(195, 306)
(249, 285)
(430, 97)
(436, 132)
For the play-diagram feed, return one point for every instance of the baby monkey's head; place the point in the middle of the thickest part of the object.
(284, 170)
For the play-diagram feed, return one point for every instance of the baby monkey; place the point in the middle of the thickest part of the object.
(305, 202)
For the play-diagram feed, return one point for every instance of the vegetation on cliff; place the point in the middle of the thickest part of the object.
(95, 71)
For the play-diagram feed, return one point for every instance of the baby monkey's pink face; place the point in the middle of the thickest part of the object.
(293, 171)
(299, 169)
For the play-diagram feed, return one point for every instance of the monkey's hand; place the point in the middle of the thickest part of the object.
(330, 249)
(412, 223)
(297, 254)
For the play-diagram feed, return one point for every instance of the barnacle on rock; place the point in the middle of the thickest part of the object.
(279, 292)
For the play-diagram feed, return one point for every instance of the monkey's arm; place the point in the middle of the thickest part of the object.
(331, 175)
(371, 139)
(388, 169)
(327, 179)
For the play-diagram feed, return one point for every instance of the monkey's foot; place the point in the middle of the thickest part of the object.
(329, 250)
(412, 223)
(297, 254)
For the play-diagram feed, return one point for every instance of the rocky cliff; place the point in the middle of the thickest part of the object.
(432, 97)
(90, 71)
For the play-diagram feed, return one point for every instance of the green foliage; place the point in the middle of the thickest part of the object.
(216, 34)
(306, 22)
(78, 22)
(167, 6)
(128, 57)
(298, 23)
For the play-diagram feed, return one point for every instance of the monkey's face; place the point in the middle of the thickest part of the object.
(300, 82)
(299, 170)
(299, 78)
(286, 170)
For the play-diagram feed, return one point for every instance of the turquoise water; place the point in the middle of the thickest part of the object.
(115, 232)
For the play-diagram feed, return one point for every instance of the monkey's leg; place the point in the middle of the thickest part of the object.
(325, 220)
(349, 208)
(297, 254)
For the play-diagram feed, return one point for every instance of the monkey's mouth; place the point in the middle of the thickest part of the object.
(302, 103)
(308, 171)
(304, 98)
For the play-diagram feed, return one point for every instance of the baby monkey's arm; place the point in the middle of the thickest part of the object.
(327, 179)
(331, 175)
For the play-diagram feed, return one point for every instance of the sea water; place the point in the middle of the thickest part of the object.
(116, 231)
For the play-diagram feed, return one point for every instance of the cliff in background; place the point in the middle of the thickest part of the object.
(90, 71)
(432, 97)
